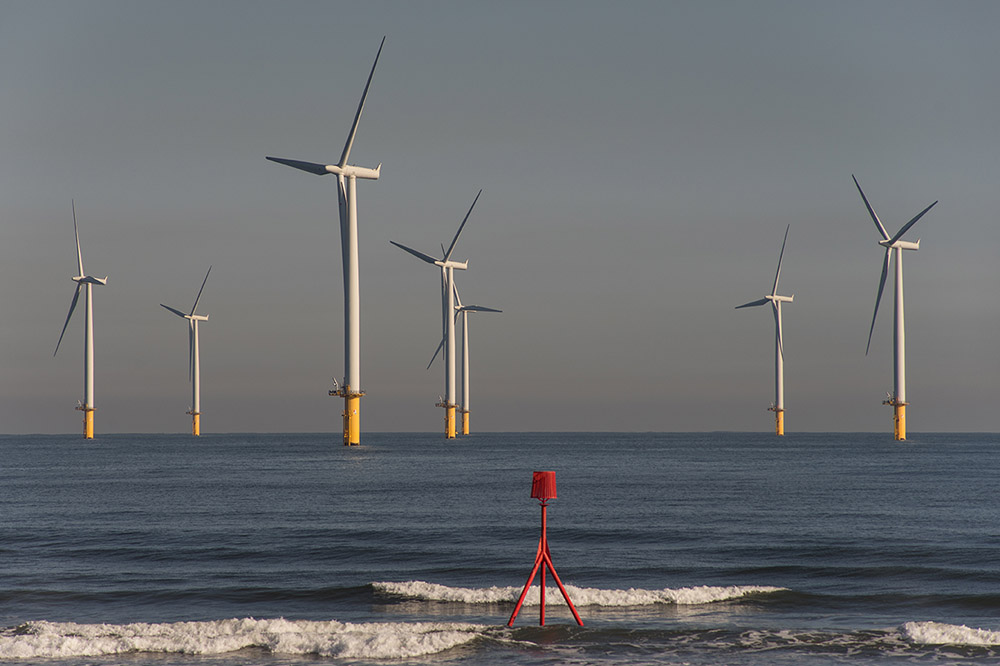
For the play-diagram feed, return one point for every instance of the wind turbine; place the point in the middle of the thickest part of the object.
(347, 176)
(448, 307)
(84, 282)
(463, 312)
(194, 356)
(894, 246)
(779, 355)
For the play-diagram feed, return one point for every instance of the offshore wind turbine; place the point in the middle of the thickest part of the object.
(86, 284)
(194, 356)
(347, 176)
(894, 246)
(779, 356)
(448, 267)
(463, 312)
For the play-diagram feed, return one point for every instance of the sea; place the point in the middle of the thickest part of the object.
(675, 548)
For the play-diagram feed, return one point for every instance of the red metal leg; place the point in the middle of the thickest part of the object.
(541, 592)
(548, 560)
(524, 592)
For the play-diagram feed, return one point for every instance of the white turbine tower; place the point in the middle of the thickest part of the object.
(87, 282)
(347, 176)
(194, 356)
(894, 246)
(463, 312)
(779, 356)
(448, 307)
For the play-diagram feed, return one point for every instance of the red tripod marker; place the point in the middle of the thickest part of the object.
(543, 488)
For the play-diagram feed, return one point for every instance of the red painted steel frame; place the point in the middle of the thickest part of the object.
(543, 559)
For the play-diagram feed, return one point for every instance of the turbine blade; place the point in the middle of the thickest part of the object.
(345, 225)
(176, 312)
(342, 198)
(311, 167)
(881, 285)
(420, 255)
(899, 234)
(439, 348)
(361, 106)
(458, 299)
(72, 306)
(751, 304)
(447, 255)
(774, 290)
(79, 255)
(878, 223)
(444, 303)
(195, 306)
(479, 308)
(777, 327)
(190, 350)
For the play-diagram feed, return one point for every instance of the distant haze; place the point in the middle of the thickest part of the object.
(639, 163)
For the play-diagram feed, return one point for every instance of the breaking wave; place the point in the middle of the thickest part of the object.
(938, 633)
(581, 596)
(376, 640)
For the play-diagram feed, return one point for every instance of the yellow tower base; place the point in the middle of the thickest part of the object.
(351, 414)
(898, 418)
(352, 420)
(465, 422)
(88, 421)
(779, 420)
(449, 422)
(195, 423)
(449, 418)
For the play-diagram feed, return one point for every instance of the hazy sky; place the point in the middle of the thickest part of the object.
(639, 163)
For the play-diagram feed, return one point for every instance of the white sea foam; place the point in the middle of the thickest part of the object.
(938, 633)
(374, 640)
(581, 596)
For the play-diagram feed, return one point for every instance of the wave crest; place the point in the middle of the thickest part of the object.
(939, 633)
(581, 596)
(375, 640)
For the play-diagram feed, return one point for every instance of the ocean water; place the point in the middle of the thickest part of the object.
(676, 548)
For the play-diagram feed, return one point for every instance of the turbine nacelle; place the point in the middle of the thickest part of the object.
(774, 299)
(88, 279)
(901, 244)
(355, 171)
(460, 265)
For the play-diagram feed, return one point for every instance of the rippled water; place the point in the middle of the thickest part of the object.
(676, 548)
